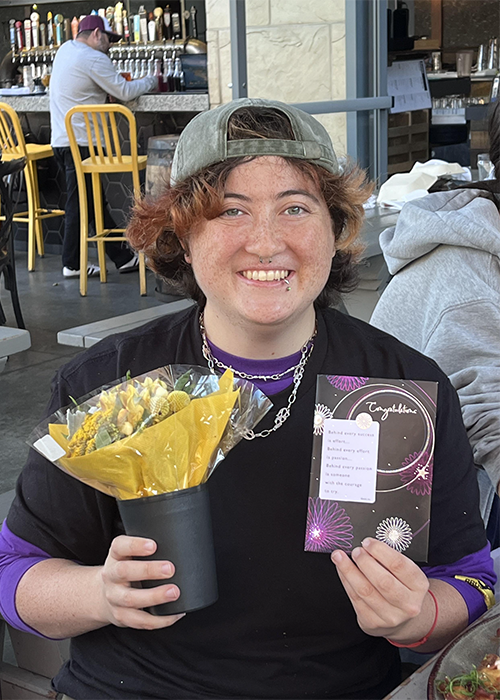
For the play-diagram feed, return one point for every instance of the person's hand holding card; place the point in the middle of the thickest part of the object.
(388, 591)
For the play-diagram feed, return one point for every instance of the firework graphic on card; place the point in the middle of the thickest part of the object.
(328, 527)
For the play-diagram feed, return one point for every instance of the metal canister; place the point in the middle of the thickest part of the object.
(492, 54)
(436, 61)
(481, 58)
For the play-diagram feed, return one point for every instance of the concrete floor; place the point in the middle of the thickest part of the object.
(49, 304)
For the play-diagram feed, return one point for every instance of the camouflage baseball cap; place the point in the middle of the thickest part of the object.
(204, 140)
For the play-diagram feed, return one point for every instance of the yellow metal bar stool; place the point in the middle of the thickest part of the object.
(13, 146)
(105, 157)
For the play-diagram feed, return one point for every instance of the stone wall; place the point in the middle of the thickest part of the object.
(423, 14)
(295, 53)
(459, 32)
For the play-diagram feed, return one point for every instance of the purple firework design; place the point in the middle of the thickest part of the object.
(346, 383)
(419, 475)
(328, 527)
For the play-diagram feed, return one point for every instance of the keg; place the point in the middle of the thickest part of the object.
(161, 151)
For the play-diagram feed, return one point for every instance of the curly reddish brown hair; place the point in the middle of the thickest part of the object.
(160, 227)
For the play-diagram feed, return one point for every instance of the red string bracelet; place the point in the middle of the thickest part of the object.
(426, 638)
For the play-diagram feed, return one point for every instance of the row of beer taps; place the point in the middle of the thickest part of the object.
(141, 61)
(31, 34)
(161, 25)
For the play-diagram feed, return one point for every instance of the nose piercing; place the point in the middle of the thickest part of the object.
(288, 288)
(262, 261)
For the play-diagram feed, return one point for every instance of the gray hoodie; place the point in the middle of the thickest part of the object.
(445, 301)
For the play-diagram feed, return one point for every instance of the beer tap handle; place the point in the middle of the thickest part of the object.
(126, 28)
(27, 34)
(183, 17)
(67, 29)
(58, 20)
(118, 18)
(143, 24)
(12, 36)
(137, 29)
(50, 30)
(194, 28)
(151, 28)
(74, 27)
(167, 21)
(35, 22)
(110, 16)
(19, 36)
(158, 16)
(176, 25)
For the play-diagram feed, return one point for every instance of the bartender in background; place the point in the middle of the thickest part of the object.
(84, 74)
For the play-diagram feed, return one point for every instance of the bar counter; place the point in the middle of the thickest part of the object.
(159, 103)
(156, 114)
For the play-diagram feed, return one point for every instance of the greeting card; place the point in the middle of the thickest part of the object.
(372, 460)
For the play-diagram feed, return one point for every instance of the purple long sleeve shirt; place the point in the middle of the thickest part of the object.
(17, 555)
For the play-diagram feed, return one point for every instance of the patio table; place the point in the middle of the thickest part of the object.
(415, 686)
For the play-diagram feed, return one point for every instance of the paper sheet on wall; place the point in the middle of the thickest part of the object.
(407, 83)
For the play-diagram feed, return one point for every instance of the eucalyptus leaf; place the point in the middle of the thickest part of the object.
(185, 382)
(74, 420)
(102, 438)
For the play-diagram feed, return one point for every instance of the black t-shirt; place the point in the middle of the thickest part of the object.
(283, 626)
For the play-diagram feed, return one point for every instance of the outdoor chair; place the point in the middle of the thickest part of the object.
(13, 146)
(106, 156)
(7, 264)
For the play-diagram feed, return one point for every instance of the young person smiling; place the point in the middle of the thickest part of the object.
(259, 227)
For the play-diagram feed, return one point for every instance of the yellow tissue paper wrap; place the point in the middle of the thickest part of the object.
(170, 428)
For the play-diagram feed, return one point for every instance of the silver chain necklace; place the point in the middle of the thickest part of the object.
(210, 358)
(298, 372)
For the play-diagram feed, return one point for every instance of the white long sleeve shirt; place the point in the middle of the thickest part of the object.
(82, 75)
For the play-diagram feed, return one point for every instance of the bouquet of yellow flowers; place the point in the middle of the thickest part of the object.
(152, 442)
(163, 431)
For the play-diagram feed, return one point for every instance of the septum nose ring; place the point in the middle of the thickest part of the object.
(262, 261)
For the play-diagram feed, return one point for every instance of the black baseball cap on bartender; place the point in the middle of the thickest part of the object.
(91, 22)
